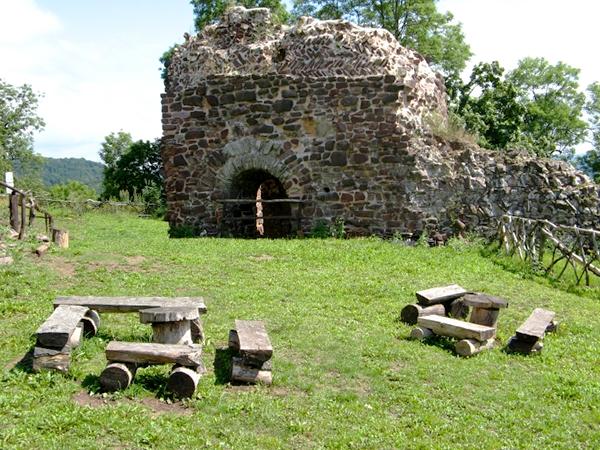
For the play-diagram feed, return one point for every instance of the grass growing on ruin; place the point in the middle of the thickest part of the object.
(345, 374)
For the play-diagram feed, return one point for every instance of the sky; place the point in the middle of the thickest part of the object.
(96, 61)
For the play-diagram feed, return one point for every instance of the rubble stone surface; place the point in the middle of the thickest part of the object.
(335, 115)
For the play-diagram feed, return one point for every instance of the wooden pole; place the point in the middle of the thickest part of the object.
(183, 381)
(13, 206)
(23, 217)
(117, 375)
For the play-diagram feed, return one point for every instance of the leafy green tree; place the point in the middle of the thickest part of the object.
(494, 114)
(114, 146)
(416, 24)
(553, 123)
(137, 168)
(18, 122)
(207, 12)
(590, 161)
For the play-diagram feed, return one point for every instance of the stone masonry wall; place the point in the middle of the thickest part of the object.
(337, 114)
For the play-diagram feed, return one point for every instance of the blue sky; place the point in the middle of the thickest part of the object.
(97, 61)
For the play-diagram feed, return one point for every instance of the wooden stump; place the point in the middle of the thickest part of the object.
(470, 347)
(420, 333)
(183, 381)
(117, 375)
(171, 325)
(457, 309)
(42, 249)
(410, 313)
(60, 238)
(485, 316)
(234, 341)
(244, 373)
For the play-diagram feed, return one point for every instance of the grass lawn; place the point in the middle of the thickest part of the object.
(345, 373)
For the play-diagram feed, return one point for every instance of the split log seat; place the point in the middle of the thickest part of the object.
(137, 304)
(58, 336)
(442, 294)
(171, 324)
(250, 344)
(529, 335)
(124, 358)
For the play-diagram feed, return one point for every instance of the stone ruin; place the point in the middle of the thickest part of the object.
(273, 130)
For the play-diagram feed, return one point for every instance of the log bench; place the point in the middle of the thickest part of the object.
(250, 344)
(473, 338)
(137, 304)
(124, 358)
(528, 337)
(59, 334)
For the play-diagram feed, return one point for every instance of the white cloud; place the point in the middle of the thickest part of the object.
(22, 21)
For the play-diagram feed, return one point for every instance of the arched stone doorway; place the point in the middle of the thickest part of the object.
(255, 208)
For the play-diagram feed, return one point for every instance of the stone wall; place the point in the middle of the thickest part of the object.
(335, 116)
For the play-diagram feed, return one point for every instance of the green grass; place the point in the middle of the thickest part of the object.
(345, 373)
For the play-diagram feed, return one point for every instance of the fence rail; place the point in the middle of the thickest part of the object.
(552, 247)
(21, 220)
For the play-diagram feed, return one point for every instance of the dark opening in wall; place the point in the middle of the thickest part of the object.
(254, 215)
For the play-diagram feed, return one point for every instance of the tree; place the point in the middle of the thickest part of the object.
(72, 191)
(590, 161)
(207, 12)
(495, 114)
(114, 146)
(416, 24)
(137, 168)
(18, 122)
(553, 123)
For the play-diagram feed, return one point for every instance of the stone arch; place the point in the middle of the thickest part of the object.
(253, 173)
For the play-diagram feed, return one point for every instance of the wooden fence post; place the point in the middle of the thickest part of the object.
(13, 206)
(23, 217)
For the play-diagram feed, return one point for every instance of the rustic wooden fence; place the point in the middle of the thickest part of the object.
(553, 248)
(22, 208)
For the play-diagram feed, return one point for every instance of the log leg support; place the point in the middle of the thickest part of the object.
(242, 372)
(183, 381)
(420, 333)
(470, 347)
(117, 375)
(179, 332)
(410, 313)
(197, 331)
(519, 346)
(91, 323)
(485, 316)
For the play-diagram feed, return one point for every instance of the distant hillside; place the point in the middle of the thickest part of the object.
(62, 170)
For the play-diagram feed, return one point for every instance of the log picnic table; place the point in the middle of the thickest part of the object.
(138, 304)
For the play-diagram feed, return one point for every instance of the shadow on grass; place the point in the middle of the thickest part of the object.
(442, 342)
(124, 337)
(153, 381)
(91, 383)
(25, 364)
(222, 365)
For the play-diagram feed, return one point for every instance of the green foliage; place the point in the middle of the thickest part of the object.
(73, 191)
(207, 12)
(18, 122)
(495, 114)
(165, 60)
(114, 146)
(137, 175)
(537, 106)
(416, 24)
(590, 161)
(550, 94)
(345, 373)
(322, 230)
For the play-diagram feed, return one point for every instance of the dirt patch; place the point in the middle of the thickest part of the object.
(61, 265)
(153, 404)
(260, 258)
(134, 260)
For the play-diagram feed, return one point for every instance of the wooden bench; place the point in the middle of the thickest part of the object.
(125, 357)
(58, 336)
(442, 294)
(529, 335)
(473, 338)
(136, 304)
(250, 344)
